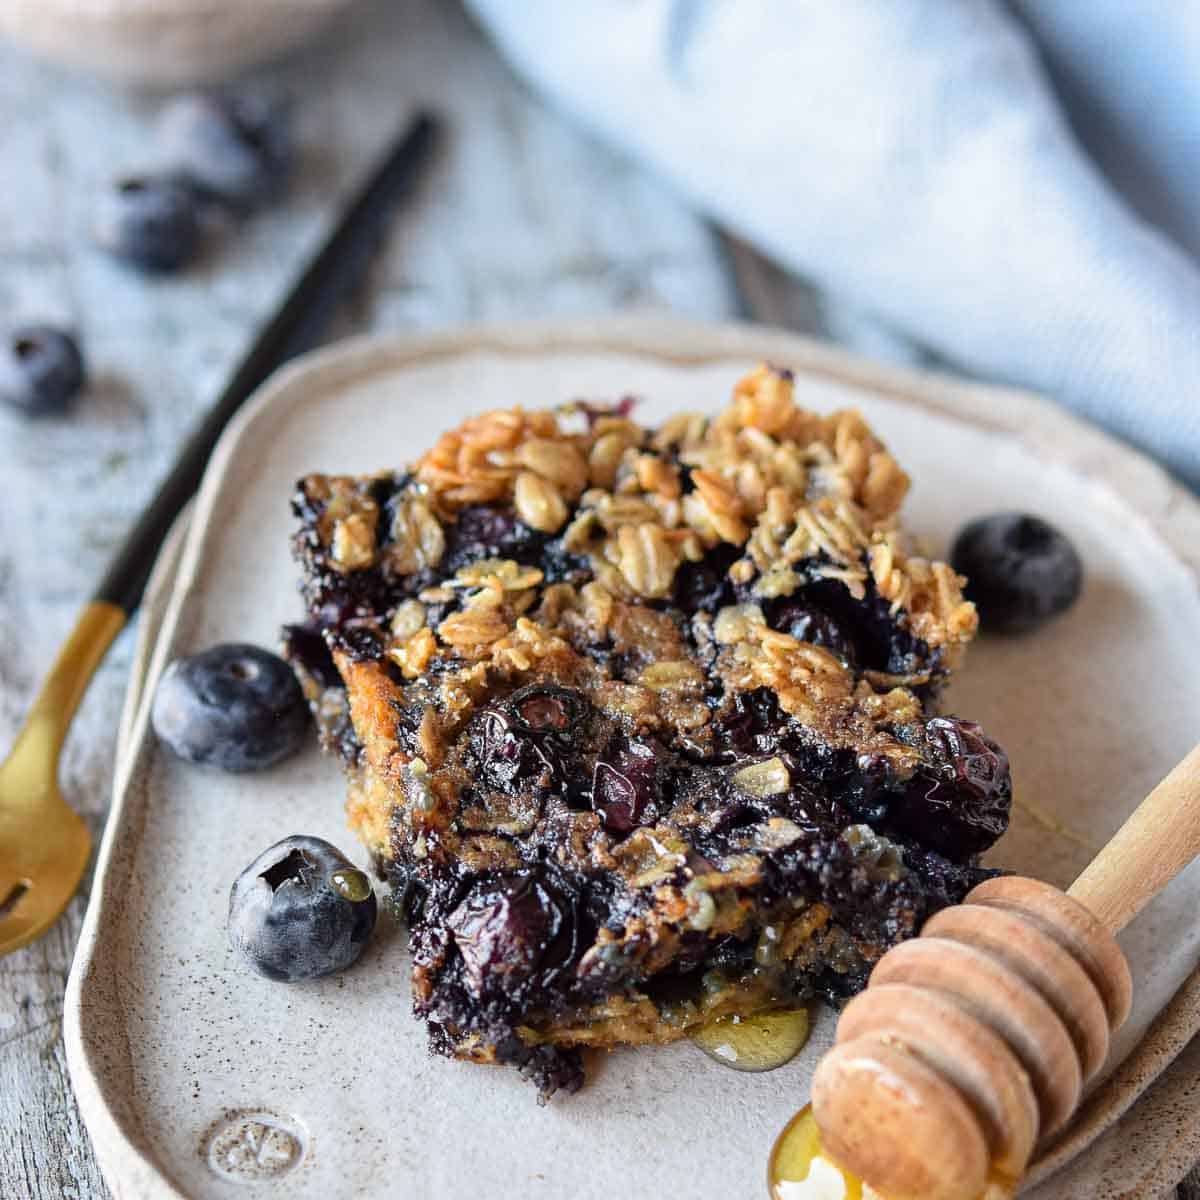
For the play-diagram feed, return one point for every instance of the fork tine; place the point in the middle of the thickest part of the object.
(36, 911)
(33, 894)
(12, 891)
(19, 924)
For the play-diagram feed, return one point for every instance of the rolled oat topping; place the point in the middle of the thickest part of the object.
(617, 698)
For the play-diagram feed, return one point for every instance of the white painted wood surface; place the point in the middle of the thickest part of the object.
(524, 217)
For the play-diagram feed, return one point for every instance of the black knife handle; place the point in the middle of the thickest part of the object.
(296, 327)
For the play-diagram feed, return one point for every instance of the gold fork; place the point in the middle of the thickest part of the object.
(44, 845)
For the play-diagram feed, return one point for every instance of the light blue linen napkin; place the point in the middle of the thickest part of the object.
(915, 159)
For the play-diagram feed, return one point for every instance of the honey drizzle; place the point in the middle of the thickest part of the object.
(798, 1169)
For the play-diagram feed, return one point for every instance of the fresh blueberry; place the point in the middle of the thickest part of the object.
(1020, 571)
(151, 222)
(301, 909)
(41, 370)
(235, 148)
(236, 707)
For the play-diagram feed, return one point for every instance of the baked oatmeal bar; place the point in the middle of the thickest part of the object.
(640, 724)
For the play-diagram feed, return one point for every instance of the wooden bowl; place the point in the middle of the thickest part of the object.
(163, 43)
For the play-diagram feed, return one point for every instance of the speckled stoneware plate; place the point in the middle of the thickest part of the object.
(198, 1079)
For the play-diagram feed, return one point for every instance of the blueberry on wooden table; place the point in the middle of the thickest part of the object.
(237, 707)
(1020, 571)
(235, 148)
(300, 910)
(151, 222)
(41, 370)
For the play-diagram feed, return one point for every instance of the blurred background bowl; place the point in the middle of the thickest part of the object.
(163, 43)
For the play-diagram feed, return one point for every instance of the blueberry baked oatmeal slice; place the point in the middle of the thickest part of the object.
(641, 724)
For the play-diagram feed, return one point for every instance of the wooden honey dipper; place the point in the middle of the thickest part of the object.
(972, 1042)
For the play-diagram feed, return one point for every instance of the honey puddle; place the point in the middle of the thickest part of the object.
(758, 1043)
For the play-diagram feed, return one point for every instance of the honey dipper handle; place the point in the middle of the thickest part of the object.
(1158, 840)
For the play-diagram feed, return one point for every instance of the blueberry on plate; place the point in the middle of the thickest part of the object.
(236, 707)
(301, 909)
(151, 222)
(1020, 571)
(41, 370)
(235, 148)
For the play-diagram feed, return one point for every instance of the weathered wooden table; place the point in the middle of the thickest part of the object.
(524, 217)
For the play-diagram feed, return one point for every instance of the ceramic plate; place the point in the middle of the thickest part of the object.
(198, 1079)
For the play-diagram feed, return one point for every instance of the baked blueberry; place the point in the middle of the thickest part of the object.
(300, 910)
(152, 222)
(235, 148)
(41, 370)
(525, 743)
(503, 930)
(489, 532)
(807, 624)
(958, 802)
(1020, 571)
(236, 707)
(625, 785)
